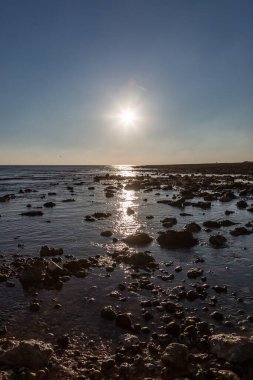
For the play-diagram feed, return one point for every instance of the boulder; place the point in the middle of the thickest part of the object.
(175, 357)
(176, 239)
(139, 238)
(233, 348)
(192, 227)
(26, 353)
(140, 259)
(49, 204)
(32, 213)
(194, 272)
(108, 313)
(46, 251)
(124, 321)
(33, 272)
(240, 231)
(217, 241)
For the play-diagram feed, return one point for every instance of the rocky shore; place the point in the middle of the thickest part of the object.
(153, 318)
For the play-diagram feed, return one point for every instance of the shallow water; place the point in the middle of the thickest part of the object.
(64, 226)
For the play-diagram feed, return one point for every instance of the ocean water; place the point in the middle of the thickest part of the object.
(64, 226)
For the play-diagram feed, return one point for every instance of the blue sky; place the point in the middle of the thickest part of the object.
(68, 67)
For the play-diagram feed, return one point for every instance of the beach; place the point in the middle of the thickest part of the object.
(126, 272)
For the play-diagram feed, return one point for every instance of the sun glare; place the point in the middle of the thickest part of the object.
(127, 117)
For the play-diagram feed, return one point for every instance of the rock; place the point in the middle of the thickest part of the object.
(226, 375)
(169, 222)
(226, 223)
(194, 272)
(108, 313)
(32, 213)
(139, 259)
(33, 272)
(129, 340)
(191, 295)
(139, 238)
(45, 251)
(176, 239)
(211, 224)
(106, 233)
(220, 289)
(192, 227)
(203, 205)
(49, 204)
(242, 204)
(33, 354)
(217, 241)
(228, 212)
(63, 341)
(124, 321)
(176, 356)
(101, 215)
(173, 328)
(35, 306)
(217, 316)
(130, 211)
(54, 268)
(240, 231)
(233, 348)
(7, 197)
(76, 266)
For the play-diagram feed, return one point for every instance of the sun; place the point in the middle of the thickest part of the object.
(127, 117)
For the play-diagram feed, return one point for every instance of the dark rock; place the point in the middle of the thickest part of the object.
(49, 204)
(217, 241)
(106, 233)
(169, 222)
(63, 341)
(101, 215)
(124, 321)
(192, 227)
(130, 211)
(139, 238)
(45, 251)
(33, 272)
(176, 356)
(35, 306)
(240, 231)
(211, 224)
(226, 223)
(7, 197)
(26, 353)
(191, 295)
(176, 239)
(194, 272)
(242, 204)
(108, 313)
(173, 328)
(228, 212)
(139, 259)
(220, 289)
(32, 213)
(217, 316)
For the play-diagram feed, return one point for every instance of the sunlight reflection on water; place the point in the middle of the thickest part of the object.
(125, 170)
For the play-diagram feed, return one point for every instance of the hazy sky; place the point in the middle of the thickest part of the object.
(67, 67)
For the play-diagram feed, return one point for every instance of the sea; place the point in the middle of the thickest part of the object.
(64, 226)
